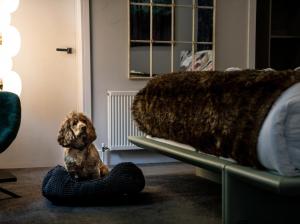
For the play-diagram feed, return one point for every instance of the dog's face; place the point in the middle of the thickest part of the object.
(76, 131)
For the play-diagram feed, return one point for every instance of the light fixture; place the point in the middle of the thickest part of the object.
(12, 82)
(9, 5)
(6, 63)
(5, 19)
(10, 44)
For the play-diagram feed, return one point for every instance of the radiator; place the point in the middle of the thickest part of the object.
(120, 122)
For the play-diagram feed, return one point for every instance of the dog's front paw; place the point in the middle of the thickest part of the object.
(104, 171)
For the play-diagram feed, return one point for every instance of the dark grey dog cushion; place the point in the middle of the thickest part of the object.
(60, 188)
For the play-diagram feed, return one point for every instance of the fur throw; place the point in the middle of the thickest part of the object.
(216, 112)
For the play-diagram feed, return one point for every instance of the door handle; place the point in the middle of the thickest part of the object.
(68, 50)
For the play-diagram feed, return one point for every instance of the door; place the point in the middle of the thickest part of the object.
(49, 80)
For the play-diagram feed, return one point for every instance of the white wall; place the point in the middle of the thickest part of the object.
(109, 25)
(235, 33)
(49, 81)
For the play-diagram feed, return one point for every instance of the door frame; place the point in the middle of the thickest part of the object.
(83, 57)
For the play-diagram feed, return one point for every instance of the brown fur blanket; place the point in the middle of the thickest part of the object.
(219, 113)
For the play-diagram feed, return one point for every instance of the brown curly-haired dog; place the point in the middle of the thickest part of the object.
(81, 157)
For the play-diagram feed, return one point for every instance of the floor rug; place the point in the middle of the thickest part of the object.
(172, 198)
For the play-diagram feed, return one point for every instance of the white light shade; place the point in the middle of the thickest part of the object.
(6, 64)
(5, 19)
(12, 82)
(9, 5)
(11, 41)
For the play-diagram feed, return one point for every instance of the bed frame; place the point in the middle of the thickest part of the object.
(248, 195)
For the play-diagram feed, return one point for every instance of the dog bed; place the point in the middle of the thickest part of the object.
(60, 188)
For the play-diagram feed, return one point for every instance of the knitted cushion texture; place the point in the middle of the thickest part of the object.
(60, 188)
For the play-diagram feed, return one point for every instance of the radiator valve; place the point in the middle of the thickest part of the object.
(104, 147)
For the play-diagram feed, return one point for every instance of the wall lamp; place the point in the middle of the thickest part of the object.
(10, 44)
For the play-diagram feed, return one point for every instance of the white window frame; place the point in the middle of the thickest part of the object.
(172, 42)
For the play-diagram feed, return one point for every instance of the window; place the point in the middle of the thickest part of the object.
(170, 35)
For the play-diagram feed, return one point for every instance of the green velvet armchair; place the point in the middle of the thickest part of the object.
(10, 119)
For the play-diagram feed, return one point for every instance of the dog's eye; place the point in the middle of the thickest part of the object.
(74, 122)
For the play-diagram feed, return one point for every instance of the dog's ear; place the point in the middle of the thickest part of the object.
(91, 133)
(65, 135)
(90, 130)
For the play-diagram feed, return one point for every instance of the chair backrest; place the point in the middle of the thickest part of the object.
(10, 118)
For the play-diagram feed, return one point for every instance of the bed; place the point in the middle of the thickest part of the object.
(250, 147)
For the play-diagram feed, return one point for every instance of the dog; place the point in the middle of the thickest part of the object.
(81, 157)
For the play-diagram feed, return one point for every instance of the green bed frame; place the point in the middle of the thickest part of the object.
(248, 195)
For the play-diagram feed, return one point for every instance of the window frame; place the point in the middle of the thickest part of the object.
(172, 42)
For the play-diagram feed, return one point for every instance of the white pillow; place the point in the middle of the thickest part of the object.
(297, 69)
(278, 146)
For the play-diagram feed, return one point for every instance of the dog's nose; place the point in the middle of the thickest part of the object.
(83, 128)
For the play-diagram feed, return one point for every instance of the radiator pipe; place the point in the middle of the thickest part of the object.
(103, 149)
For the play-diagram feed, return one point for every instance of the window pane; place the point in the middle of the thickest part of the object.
(183, 23)
(284, 53)
(203, 57)
(205, 2)
(162, 1)
(161, 60)
(140, 61)
(139, 22)
(140, 1)
(184, 2)
(284, 16)
(204, 25)
(203, 47)
(139, 43)
(162, 22)
(182, 57)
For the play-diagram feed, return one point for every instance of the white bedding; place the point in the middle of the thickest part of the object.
(279, 138)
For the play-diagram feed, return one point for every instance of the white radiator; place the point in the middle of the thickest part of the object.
(120, 122)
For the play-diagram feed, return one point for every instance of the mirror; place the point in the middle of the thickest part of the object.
(170, 36)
